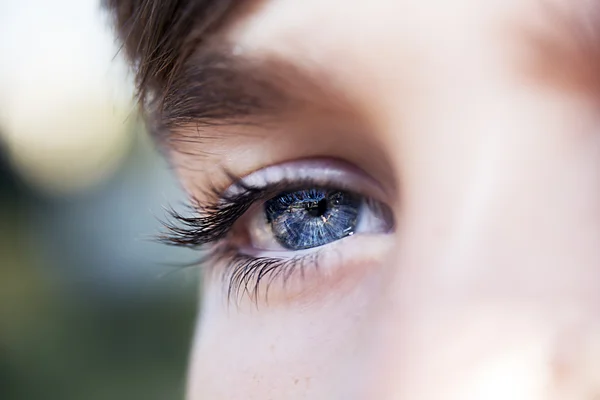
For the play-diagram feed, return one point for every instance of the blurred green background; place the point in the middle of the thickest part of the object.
(90, 306)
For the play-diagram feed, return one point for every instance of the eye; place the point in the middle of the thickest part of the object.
(286, 228)
(314, 211)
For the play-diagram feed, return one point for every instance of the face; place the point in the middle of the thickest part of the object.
(398, 199)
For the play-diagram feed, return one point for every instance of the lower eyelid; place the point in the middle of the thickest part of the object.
(319, 273)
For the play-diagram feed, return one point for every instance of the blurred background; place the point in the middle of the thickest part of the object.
(91, 308)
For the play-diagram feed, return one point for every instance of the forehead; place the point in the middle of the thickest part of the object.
(389, 45)
(371, 25)
(366, 24)
(377, 30)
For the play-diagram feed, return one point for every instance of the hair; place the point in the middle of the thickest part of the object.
(159, 36)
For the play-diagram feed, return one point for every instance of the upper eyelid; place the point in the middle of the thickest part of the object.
(333, 172)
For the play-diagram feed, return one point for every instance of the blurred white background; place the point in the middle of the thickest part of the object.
(90, 306)
(65, 96)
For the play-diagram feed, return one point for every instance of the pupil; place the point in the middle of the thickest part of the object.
(317, 209)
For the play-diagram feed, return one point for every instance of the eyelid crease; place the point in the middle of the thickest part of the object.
(317, 171)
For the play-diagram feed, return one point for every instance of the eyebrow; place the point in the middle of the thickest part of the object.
(566, 53)
(217, 87)
(220, 88)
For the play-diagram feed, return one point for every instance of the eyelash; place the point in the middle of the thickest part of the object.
(247, 273)
(211, 223)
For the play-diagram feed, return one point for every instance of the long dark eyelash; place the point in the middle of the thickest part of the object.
(209, 223)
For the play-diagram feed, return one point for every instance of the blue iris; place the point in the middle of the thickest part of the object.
(312, 217)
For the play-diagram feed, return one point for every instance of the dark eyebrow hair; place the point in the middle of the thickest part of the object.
(216, 87)
(185, 76)
(219, 88)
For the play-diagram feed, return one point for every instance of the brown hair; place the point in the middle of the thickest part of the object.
(158, 37)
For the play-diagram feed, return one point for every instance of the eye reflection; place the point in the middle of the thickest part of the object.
(312, 217)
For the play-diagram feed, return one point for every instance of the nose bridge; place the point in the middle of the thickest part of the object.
(496, 247)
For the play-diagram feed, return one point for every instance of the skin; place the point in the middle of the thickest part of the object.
(479, 120)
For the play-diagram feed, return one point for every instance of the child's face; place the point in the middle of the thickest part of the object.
(440, 216)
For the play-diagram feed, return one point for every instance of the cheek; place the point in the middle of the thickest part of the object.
(253, 351)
